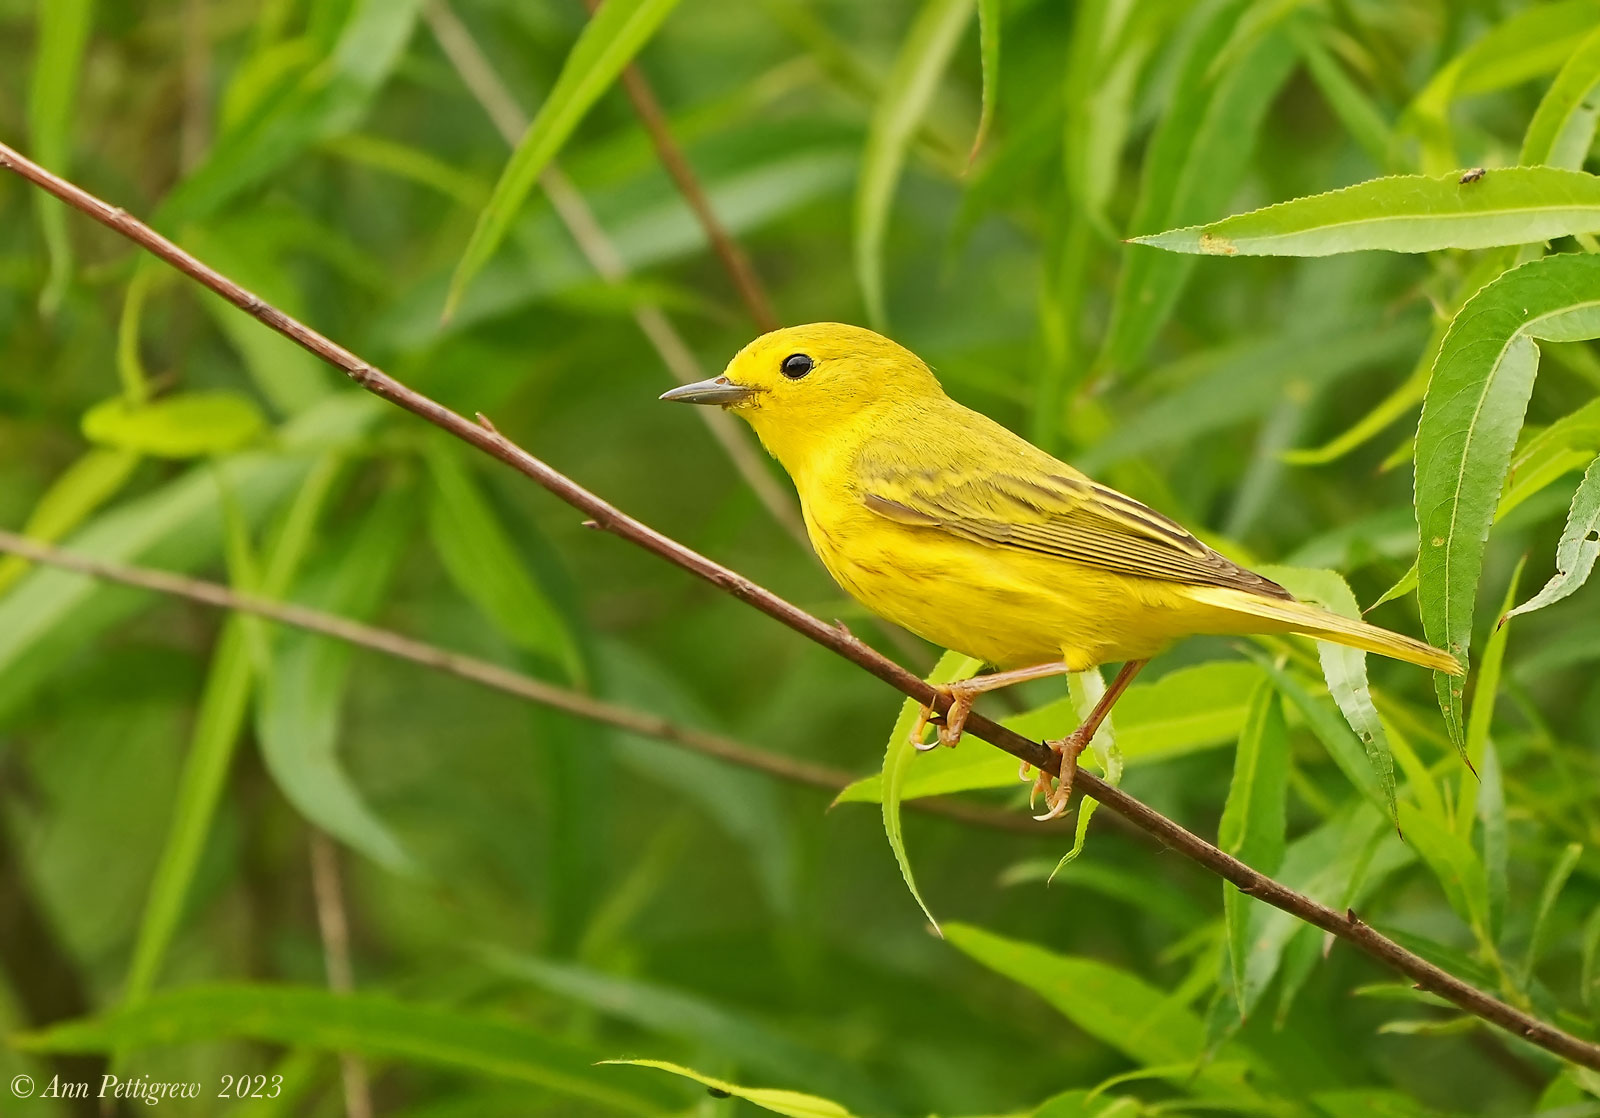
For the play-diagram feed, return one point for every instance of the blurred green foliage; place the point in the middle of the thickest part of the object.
(527, 893)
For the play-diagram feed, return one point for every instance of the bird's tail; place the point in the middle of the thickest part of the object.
(1314, 621)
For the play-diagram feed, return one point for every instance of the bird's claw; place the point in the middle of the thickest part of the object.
(950, 722)
(1058, 797)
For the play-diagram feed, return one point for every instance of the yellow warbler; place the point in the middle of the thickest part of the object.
(942, 521)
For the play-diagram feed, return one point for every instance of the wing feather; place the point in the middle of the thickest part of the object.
(1044, 506)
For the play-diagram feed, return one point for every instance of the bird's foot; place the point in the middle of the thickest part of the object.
(951, 723)
(1058, 797)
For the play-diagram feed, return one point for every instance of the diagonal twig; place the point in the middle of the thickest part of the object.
(478, 74)
(487, 674)
(1347, 925)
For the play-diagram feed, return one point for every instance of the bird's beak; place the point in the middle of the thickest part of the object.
(717, 390)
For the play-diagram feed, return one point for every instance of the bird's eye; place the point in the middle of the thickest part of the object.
(796, 365)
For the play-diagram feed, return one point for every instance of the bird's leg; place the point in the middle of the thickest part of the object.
(964, 693)
(1074, 744)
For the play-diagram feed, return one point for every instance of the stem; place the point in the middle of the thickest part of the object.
(734, 261)
(1347, 925)
(487, 674)
(334, 927)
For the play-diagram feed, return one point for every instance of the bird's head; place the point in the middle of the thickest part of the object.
(802, 386)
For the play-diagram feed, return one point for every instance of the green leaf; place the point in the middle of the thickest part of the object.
(1455, 864)
(1342, 745)
(1115, 1007)
(63, 35)
(81, 488)
(747, 805)
(733, 1035)
(327, 98)
(1562, 129)
(1349, 102)
(1406, 213)
(617, 31)
(1484, 696)
(1409, 392)
(1403, 585)
(412, 164)
(897, 759)
(1166, 903)
(1589, 974)
(989, 16)
(1215, 389)
(1344, 668)
(368, 1024)
(1368, 1102)
(1088, 1104)
(188, 425)
(1185, 710)
(485, 565)
(221, 715)
(1252, 829)
(1553, 884)
(1470, 419)
(1495, 842)
(1110, 45)
(1085, 689)
(52, 614)
(1527, 44)
(1570, 443)
(1195, 162)
(298, 707)
(1578, 547)
(923, 58)
(255, 249)
(790, 1103)
(1339, 863)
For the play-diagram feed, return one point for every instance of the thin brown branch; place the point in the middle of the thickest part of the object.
(1346, 925)
(334, 927)
(486, 674)
(477, 73)
(510, 121)
(734, 261)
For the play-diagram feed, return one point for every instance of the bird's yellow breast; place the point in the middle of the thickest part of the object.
(1007, 607)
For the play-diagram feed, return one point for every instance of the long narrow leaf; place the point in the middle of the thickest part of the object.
(57, 64)
(897, 760)
(223, 705)
(1562, 129)
(80, 489)
(793, 1104)
(1548, 896)
(1193, 708)
(329, 98)
(1578, 547)
(617, 32)
(1343, 667)
(1115, 1007)
(481, 559)
(923, 57)
(298, 709)
(369, 1024)
(1195, 163)
(989, 16)
(1252, 829)
(1406, 213)
(1470, 420)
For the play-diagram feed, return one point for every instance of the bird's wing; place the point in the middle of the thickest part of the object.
(1041, 505)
